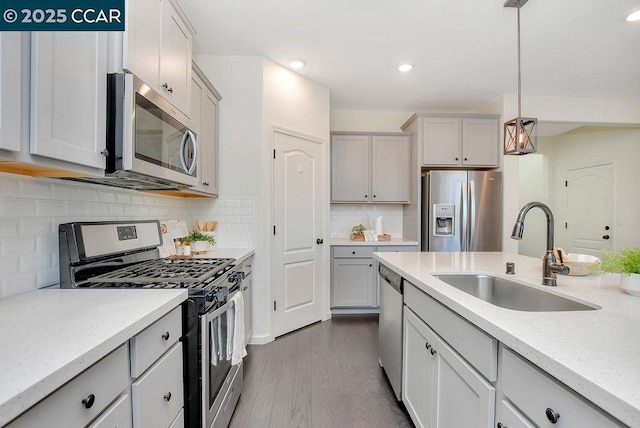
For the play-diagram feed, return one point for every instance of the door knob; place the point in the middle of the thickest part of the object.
(605, 237)
(319, 241)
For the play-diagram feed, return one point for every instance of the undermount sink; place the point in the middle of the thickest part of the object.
(510, 294)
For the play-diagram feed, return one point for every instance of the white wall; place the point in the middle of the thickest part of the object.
(31, 210)
(535, 178)
(595, 146)
(256, 95)
(368, 121)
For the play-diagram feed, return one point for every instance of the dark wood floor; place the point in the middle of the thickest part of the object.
(324, 375)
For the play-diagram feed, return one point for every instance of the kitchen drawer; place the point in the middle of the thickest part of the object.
(353, 251)
(510, 417)
(158, 394)
(533, 392)
(397, 248)
(477, 347)
(178, 422)
(118, 415)
(154, 341)
(99, 385)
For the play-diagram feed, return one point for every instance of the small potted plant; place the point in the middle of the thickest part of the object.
(627, 264)
(357, 233)
(200, 241)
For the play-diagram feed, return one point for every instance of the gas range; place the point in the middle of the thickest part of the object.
(125, 255)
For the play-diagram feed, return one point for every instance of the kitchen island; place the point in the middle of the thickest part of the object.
(593, 352)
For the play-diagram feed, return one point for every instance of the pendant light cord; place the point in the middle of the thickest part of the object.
(519, 77)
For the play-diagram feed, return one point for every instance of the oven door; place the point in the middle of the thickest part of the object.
(217, 342)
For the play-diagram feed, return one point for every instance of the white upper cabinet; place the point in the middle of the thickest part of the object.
(157, 49)
(204, 117)
(10, 86)
(68, 96)
(370, 168)
(389, 168)
(350, 168)
(141, 44)
(456, 140)
(479, 142)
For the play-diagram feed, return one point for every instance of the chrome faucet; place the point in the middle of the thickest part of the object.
(549, 266)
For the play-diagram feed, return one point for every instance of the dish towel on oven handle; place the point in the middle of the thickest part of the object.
(216, 342)
(236, 349)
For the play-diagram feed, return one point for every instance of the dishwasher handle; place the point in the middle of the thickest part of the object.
(393, 278)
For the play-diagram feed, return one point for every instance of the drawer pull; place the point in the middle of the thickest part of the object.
(427, 345)
(500, 425)
(88, 402)
(166, 336)
(167, 397)
(433, 351)
(353, 252)
(552, 415)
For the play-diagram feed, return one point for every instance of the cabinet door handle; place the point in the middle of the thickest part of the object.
(433, 351)
(427, 345)
(319, 241)
(167, 397)
(353, 252)
(370, 265)
(552, 415)
(456, 158)
(88, 402)
(374, 196)
(605, 237)
(500, 425)
(166, 336)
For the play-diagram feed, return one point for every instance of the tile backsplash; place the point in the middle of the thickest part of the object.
(344, 217)
(32, 208)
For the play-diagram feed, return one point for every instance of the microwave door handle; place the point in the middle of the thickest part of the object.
(188, 135)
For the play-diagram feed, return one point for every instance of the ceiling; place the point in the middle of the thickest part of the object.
(464, 51)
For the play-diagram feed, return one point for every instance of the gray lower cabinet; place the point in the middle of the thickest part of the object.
(138, 385)
(440, 388)
(354, 274)
(544, 402)
(451, 377)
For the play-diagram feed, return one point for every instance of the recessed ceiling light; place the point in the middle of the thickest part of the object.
(297, 63)
(405, 67)
(634, 16)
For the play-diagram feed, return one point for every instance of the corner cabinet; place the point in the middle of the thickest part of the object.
(370, 168)
(204, 117)
(69, 96)
(456, 140)
(354, 275)
(156, 47)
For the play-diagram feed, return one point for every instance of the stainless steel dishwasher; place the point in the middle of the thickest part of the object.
(390, 327)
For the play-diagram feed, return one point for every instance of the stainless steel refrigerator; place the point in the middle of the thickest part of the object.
(462, 211)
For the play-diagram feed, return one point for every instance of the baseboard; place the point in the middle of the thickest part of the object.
(260, 340)
(354, 311)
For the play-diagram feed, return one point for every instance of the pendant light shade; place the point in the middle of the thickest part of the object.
(521, 133)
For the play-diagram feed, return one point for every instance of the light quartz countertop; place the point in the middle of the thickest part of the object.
(49, 336)
(240, 254)
(597, 353)
(393, 241)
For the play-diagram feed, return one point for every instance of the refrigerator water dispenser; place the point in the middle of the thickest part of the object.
(443, 219)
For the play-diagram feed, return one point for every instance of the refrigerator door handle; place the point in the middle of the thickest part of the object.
(464, 221)
(472, 215)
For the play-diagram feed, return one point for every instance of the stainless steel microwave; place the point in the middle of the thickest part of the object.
(149, 142)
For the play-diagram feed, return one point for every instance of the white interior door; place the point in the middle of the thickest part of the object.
(298, 219)
(590, 209)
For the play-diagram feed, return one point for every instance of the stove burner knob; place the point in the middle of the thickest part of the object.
(210, 297)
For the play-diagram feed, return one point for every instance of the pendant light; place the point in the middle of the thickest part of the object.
(521, 133)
